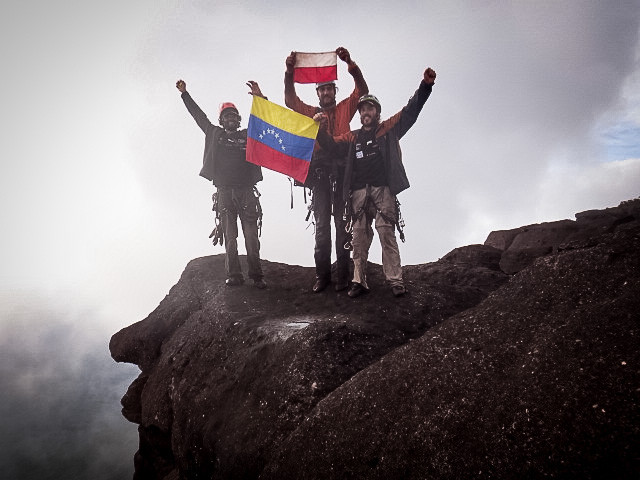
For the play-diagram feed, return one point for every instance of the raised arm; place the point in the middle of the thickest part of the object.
(361, 87)
(196, 112)
(291, 99)
(349, 106)
(254, 89)
(405, 118)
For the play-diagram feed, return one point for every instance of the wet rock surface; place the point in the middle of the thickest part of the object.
(474, 373)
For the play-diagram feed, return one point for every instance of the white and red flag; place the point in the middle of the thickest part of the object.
(315, 67)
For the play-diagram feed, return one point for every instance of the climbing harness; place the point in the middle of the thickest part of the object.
(217, 234)
(351, 218)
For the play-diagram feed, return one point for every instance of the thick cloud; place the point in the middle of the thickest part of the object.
(60, 397)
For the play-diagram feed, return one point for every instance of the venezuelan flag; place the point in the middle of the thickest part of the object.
(280, 139)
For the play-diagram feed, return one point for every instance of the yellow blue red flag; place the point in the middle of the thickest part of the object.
(280, 139)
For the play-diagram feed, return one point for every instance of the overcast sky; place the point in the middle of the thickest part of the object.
(535, 116)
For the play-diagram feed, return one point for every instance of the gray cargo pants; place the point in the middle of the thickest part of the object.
(368, 204)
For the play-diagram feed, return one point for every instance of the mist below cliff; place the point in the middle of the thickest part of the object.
(59, 400)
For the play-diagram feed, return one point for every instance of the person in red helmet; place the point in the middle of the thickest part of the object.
(326, 170)
(374, 175)
(224, 164)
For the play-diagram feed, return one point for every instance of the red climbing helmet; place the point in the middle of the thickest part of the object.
(226, 105)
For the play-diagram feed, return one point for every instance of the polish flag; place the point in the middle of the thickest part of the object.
(315, 67)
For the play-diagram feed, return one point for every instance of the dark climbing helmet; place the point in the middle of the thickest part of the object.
(372, 99)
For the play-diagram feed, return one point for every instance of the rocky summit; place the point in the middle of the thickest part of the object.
(518, 358)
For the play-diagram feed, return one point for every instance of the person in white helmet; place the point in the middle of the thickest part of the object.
(327, 170)
(225, 164)
(374, 175)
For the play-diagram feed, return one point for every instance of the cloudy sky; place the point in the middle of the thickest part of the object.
(535, 116)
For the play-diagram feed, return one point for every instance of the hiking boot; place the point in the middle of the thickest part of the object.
(234, 281)
(341, 286)
(398, 290)
(356, 290)
(320, 285)
(260, 283)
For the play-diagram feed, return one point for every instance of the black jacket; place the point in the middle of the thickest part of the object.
(211, 160)
(388, 135)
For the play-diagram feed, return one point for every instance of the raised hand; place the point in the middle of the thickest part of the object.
(430, 76)
(321, 118)
(343, 54)
(255, 89)
(290, 62)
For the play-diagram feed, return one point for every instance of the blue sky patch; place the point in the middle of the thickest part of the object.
(621, 141)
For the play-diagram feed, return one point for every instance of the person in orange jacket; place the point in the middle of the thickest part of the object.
(326, 170)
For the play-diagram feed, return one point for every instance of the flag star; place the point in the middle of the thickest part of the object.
(280, 141)
(277, 135)
(283, 149)
(261, 135)
(263, 132)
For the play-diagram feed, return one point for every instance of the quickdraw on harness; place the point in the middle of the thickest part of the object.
(400, 221)
(293, 183)
(296, 183)
(347, 217)
(217, 233)
(309, 210)
(256, 192)
(318, 175)
(332, 190)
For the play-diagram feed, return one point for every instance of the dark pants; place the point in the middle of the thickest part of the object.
(234, 202)
(322, 199)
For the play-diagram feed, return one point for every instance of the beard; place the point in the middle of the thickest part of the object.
(369, 120)
(327, 101)
(231, 125)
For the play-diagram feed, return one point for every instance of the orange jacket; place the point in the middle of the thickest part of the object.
(338, 116)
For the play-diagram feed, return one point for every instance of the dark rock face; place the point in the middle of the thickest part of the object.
(521, 246)
(474, 373)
